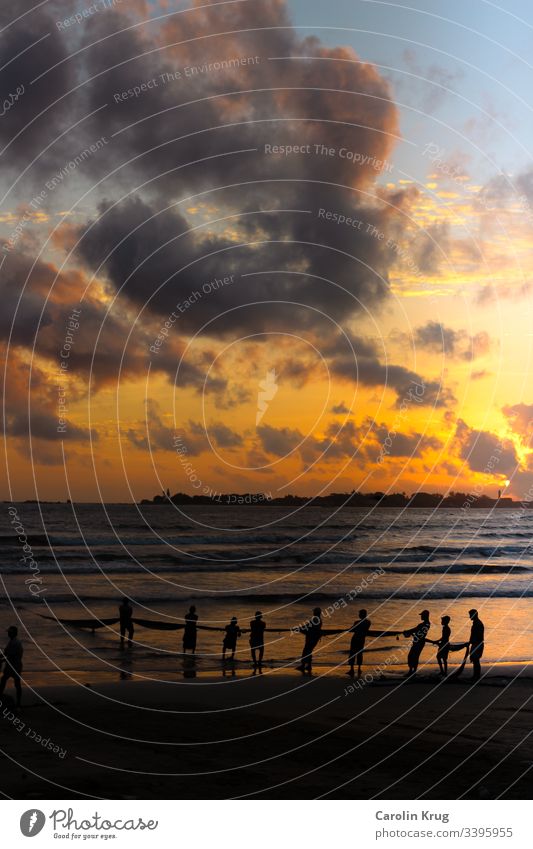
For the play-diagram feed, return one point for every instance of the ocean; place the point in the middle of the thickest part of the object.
(79, 560)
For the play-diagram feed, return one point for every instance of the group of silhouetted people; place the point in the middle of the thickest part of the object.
(313, 631)
(419, 634)
(361, 629)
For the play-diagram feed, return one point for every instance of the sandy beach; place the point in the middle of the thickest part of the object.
(275, 735)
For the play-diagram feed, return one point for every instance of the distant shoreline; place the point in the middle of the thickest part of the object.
(420, 501)
(424, 500)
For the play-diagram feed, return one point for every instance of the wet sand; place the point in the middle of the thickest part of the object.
(274, 735)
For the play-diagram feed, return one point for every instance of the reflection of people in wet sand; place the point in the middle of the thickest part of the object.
(233, 632)
(257, 638)
(13, 663)
(190, 632)
(313, 633)
(189, 667)
(419, 634)
(125, 612)
(476, 643)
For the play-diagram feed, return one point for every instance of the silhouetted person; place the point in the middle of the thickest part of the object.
(190, 631)
(125, 611)
(359, 631)
(419, 634)
(444, 645)
(13, 663)
(476, 643)
(313, 633)
(233, 632)
(257, 638)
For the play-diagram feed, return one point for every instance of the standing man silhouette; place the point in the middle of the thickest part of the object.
(13, 663)
(476, 643)
(313, 634)
(190, 631)
(444, 645)
(359, 631)
(419, 634)
(257, 639)
(125, 612)
(229, 643)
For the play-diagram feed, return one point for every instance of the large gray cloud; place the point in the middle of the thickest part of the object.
(485, 452)
(178, 136)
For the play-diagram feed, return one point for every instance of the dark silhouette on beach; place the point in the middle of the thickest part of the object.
(444, 645)
(12, 658)
(125, 611)
(359, 630)
(313, 634)
(233, 632)
(476, 643)
(191, 631)
(419, 634)
(257, 639)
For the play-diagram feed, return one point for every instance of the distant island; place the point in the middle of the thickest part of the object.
(337, 499)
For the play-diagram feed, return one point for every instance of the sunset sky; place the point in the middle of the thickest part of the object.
(210, 205)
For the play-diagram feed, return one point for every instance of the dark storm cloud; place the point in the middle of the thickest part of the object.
(485, 452)
(109, 344)
(403, 444)
(224, 436)
(32, 411)
(344, 105)
(408, 385)
(363, 443)
(38, 110)
(279, 441)
(435, 336)
(153, 434)
(322, 275)
(340, 409)
(178, 133)
(41, 424)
